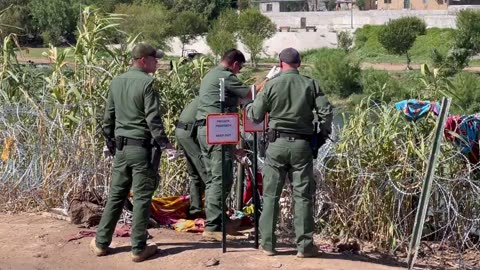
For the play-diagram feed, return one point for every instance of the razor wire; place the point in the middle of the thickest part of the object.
(50, 161)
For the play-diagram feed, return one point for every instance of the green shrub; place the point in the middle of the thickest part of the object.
(336, 72)
(222, 35)
(360, 4)
(344, 40)
(467, 87)
(368, 36)
(400, 34)
(254, 29)
(55, 19)
(187, 26)
(450, 63)
(151, 22)
(367, 47)
(411, 84)
(355, 100)
(16, 20)
(381, 86)
(466, 43)
(468, 30)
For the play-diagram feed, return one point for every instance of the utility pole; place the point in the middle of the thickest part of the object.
(351, 13)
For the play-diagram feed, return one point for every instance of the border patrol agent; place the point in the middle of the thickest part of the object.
(290, 100)
(231, 64)
(132, 119)
(187, 139)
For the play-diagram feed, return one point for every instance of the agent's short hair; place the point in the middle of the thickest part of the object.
(233, 55)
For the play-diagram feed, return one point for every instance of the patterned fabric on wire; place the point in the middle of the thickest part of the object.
(415, 109)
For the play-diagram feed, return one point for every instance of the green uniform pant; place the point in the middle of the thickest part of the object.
(195, 168)
(293, 157)
(132, 168)
(212, 157)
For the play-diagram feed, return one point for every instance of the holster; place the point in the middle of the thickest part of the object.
(271, 135)
(156, 155)
(119, 142)
(194, 132)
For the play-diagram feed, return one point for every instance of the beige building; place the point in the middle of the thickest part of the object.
(424, 4)
(272, 6)
(412, 4)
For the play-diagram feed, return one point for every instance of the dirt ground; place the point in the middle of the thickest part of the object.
(33, 241)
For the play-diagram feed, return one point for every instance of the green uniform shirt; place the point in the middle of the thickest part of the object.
(290, 100)
(189, 112)
(210, 94)
(133, 108)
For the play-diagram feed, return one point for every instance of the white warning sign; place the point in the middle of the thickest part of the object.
(223, 128)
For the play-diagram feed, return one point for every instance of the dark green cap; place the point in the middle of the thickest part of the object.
(290, 56)
(144, 50)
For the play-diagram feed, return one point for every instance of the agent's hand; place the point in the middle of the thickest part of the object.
(274, 72)
(107, 153)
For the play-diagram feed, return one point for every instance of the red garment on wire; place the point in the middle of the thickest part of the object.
(247, 195)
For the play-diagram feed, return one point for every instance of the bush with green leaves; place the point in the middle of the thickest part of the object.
(209, 9)
(360, 4)
(222, 34)
(220, 41)
(56, 20)
(344, 40)
(467, 35)
(15, 19)
(151, 22)
(466, 43)
(467, 90)
(381, 86)
(399, 35)
(253, 29)
(452, 62)
(337, 73)
(368, 48)
(187, 26)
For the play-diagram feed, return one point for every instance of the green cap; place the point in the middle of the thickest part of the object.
(290, 56)
(144, 50)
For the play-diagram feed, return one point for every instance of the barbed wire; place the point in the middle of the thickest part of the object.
(50, 161)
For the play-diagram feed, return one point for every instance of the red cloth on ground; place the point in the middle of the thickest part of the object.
(123, 230)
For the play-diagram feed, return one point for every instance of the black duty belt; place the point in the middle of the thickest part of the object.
(185, 126)
(293, 136)
(136, 142)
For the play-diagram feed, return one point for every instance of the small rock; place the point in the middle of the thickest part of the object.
(277, 265)
(44, 256)
(41, 236)
(211, 262)
(78, 242)
(37, 255)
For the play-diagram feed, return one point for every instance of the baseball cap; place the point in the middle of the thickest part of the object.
(290, 56)
(143, 50)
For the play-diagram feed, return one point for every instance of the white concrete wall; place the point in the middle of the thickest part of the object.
(300, 40)
(342, 19)
(327, 24)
